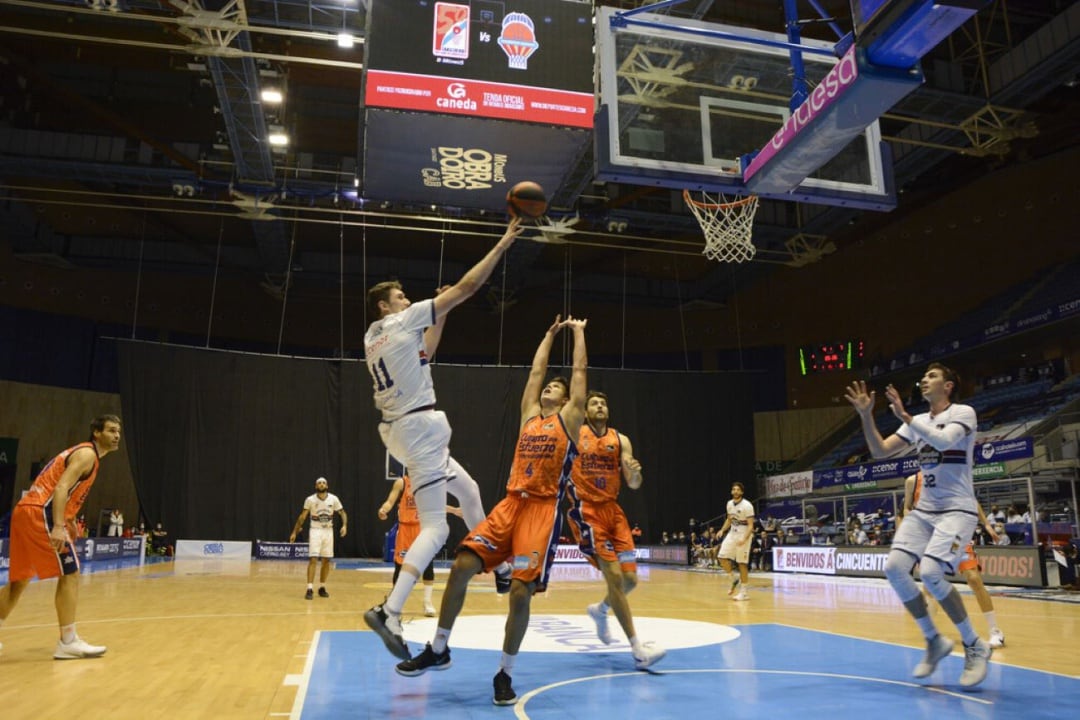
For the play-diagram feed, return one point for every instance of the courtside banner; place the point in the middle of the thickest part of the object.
(571, 554)
(529, 60)
(663, 554)
(220, 549)
(799, 483)
(280, 550)
(794, 558)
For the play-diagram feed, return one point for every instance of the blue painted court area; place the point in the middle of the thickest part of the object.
(766, 671)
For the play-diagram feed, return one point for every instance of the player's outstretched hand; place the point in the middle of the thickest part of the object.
(860, 399)
(575, 323)
(556, 326)
(513, 229)
(896, 403)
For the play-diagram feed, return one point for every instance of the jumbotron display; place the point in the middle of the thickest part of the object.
(831, 357)
(527, 60)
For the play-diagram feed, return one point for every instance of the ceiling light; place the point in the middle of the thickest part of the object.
(277, 136)
(272, 96)
(345, 40)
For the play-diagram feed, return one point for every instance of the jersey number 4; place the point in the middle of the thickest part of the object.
(382, 377)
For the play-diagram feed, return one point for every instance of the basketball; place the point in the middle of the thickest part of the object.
(527, 199)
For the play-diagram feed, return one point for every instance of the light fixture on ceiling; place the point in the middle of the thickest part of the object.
(272, 96)
(277, 136)
(345, 40)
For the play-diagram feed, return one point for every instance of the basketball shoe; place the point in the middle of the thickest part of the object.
(504, 691)
(502, 578)
(429, 609)
(741, 595)
(77, 648)
(648, 654)
(323, 593)
(997, 638)
(976, 661)
(427, 660)
(936, 649)
(601, 619)
(388, 628)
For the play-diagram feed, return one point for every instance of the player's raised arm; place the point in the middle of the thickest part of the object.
(863, 402)
(573, 413)
(395, 493)
(433, 334)
(530, 397)
(478, 274)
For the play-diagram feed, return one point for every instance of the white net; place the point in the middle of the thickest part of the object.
(728, 225)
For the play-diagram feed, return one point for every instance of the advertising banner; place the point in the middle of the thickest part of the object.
(280, 550)
(219, 549)
(531, 61)
(1009, 565)
(795, 558)
(664, 554)
(571, 554)
(800, 483)
(4, 561)
(462, 162)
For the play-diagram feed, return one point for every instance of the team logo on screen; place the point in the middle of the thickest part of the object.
(450, 38)
(518, 39)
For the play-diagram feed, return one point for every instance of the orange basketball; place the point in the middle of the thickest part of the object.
(526, 199)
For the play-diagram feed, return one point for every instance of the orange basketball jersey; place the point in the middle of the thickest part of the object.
(598, 470)
(406, 509)
(41, 491)
(543, 457)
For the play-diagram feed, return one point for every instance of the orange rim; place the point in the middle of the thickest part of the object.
(716, 206)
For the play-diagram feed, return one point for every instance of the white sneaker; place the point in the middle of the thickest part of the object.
(997, 638)
(936, 650)
(648, 654)
(600, 618)
(740, 596)
(429, 609)
(76, 649)
(976, 662)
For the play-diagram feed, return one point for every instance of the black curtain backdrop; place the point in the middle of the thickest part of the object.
(226, 446)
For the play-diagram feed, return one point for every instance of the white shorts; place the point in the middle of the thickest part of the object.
(730, 550)
(421, 441)
(942, 536)
(320, 542)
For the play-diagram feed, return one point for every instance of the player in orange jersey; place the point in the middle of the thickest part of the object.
(43, 532)
(524, 527)
(408, 529)
(600, 526)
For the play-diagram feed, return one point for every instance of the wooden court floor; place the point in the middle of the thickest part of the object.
(201, 640)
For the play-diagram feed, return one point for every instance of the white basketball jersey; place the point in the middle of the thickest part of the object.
(397, 360)
(947, 480)
(740, 513)
(322, 511)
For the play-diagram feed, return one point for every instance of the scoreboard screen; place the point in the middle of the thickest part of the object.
(528, 60)
(831, 357)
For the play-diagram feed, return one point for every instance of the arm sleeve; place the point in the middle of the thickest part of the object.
(951, 436)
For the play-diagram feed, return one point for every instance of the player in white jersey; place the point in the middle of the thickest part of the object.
(320, 507)
(397, 346)
(940, 525)
(736, 544)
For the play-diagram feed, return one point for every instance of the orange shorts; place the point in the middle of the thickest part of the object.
(406, 536)
(969, 560)
(523, 530)
(32, 552)
(602, 531)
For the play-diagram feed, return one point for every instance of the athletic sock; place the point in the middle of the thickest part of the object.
(991, 618)
(428, 588)
(506, 663)
(442, 637)
(635, 644)
(604, 607)
(927, 626)
(309, 586)
(67, 633)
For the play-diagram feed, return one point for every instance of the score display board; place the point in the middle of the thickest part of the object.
(526, 60)
(831, 357)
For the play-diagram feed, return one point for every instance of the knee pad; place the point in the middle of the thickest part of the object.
(898, 567)
(933, 577)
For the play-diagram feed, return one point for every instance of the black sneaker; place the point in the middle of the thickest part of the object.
(309, 594)
(323, 593)
(502, 581)
(427, 660)
(388, 628)
(504, 693)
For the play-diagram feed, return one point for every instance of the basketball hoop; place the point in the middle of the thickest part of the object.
(728, 225)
